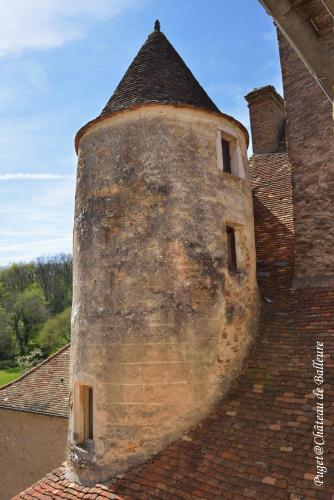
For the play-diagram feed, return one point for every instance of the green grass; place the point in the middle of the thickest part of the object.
(9, 374)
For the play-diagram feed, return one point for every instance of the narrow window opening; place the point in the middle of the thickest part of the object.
(84, 415)
(88, 412)
(231, 249)
(226, 156)
(229, 154)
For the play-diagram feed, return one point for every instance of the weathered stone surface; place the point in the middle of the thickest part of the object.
(267, 117)
(311, 152)
(160, 327)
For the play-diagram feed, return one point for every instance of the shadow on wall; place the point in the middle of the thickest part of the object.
(274, 248)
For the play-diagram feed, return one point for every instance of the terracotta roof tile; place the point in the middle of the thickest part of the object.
(44, 389)
(257, 443)
(270, 176)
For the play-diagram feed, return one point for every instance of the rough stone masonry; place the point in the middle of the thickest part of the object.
(160, 326)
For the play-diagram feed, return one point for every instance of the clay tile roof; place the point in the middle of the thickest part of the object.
(270, 176)
(44, 389)
(158, 75)
(257, 443)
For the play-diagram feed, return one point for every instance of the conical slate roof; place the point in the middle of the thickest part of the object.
(158, 75)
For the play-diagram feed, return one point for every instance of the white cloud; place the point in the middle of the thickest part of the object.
(31, 250)
(38, 177)
(39, 223)
(42, 24)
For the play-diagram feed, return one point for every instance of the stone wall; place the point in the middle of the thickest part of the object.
(160, 327)
(31, 445)
(311, 151)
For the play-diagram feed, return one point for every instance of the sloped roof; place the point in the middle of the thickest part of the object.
(158, 75)
(270, 176)
(44, 389)
(258, 441)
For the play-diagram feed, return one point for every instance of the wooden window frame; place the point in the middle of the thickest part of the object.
(84, 414)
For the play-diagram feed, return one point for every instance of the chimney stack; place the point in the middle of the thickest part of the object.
(266, 109)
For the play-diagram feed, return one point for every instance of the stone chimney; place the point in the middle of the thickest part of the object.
(266, 109)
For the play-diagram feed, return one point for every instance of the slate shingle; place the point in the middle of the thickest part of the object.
(158, 75)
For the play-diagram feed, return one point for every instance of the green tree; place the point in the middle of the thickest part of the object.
(55, 278)
(56, 332)
(7, 339)
(27, 311)
(29, 294)
(17, 277)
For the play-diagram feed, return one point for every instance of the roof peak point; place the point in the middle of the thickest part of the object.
(157, 25)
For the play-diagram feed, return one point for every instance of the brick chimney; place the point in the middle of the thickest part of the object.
(266, 110)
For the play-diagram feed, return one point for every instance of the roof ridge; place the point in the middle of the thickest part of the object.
(34, 368)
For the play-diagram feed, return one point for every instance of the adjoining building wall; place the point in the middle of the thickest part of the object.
(31, 445)
(160, 326)
(310, 143)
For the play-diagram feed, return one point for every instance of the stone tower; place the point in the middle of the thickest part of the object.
(165, 296)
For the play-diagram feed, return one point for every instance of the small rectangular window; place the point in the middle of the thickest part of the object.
(83, 414)
(88, 412)
(229, 154)
(226, 156)
(231, 249)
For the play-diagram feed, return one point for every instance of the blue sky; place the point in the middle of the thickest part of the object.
(60, 61)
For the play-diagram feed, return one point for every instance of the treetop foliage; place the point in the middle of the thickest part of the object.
(35, 306)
